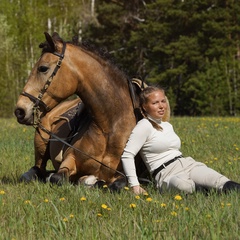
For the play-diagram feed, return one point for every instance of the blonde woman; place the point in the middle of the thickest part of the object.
(159, 147)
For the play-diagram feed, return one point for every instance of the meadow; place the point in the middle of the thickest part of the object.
(41, 211)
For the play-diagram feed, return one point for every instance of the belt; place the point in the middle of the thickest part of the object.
(164, 165)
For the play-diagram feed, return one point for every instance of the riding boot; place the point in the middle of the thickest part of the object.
(231, 186)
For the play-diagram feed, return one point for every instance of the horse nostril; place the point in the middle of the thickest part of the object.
(20, 113)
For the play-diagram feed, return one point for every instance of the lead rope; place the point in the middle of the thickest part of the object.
(78, 150)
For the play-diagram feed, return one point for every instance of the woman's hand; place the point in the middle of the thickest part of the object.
(138, 190)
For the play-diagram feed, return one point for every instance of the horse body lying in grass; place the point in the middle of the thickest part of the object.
(65, 69)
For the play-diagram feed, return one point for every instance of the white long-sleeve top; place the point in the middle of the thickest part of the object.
(156, 147)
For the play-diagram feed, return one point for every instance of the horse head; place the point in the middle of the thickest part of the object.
(41, 93)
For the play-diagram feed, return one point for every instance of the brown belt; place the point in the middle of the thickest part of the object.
(164, 165)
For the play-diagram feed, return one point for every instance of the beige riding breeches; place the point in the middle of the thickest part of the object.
(186, 174)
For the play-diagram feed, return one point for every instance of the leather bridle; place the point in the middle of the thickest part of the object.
(38, 100)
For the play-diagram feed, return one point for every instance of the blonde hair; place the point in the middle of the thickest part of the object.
(143, 98)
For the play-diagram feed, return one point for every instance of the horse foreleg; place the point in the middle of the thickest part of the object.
(38, 171)
(66, 170)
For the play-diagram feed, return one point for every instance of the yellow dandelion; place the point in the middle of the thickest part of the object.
(186, 208)
(27, 202)
(133, 205)
(71, 216)
(178, 198)
(137, 197)
(105, 186)
(83, 199)
(104, 206)
(173, 213)
(126, 188)
(2, 192)
(149, 199)
(145, 194)
(46, 200)
(208, 216)
(109, 209)
(65, 219)
(62, 199)
(99, 215)
(163, 205)
(229, 204)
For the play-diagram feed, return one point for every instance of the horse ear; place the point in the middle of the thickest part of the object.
(50, 41)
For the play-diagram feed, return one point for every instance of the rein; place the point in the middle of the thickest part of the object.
(38, 100)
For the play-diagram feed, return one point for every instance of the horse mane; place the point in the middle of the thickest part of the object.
(102, 55)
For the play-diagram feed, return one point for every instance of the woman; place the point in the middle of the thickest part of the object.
(159, 147)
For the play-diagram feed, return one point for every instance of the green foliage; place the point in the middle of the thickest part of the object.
(41, 211)
(191, 48)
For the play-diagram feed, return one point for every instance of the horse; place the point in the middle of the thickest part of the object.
(110, 100)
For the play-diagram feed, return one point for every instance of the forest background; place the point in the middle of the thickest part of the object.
(191, 48)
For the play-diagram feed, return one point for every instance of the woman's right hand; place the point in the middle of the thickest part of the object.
(138, 190)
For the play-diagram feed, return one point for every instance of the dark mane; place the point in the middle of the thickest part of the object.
(100, 54)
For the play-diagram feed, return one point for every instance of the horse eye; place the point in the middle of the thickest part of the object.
(43, 69)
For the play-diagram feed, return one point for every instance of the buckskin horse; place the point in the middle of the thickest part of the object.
(64, 69)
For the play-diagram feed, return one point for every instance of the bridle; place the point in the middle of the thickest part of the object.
(38, 100)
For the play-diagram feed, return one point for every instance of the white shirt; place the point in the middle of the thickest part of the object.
(156, 147)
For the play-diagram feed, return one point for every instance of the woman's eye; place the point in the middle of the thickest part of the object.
(42, 69)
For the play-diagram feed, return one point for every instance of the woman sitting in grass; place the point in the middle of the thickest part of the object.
(159, 147)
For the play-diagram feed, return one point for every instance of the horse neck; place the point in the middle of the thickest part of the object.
(103, 89)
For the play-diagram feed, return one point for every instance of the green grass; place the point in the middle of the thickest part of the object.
(40, 211)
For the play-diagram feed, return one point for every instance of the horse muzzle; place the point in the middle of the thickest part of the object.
(23, 117)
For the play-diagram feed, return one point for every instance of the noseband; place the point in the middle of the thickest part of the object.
(38, 100)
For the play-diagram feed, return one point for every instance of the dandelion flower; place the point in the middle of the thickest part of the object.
(137, 197)
(27, 202)
(2, 192)
(46, 200)
(105, 186)
(173, 213)
(163, 205)
(65, 219)
(178, 198)
(149, 199)
(62, 199)
(133, 205)
(126, 188)
(99, 215)
(104, 206)
(83, 199)
(71, 216)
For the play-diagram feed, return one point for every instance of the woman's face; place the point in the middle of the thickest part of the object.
(156, 104)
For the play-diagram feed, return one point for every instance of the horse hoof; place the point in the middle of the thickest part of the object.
(117, 185)
(88, 181)
(32, 174)
(99, 184)
(56, 179)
